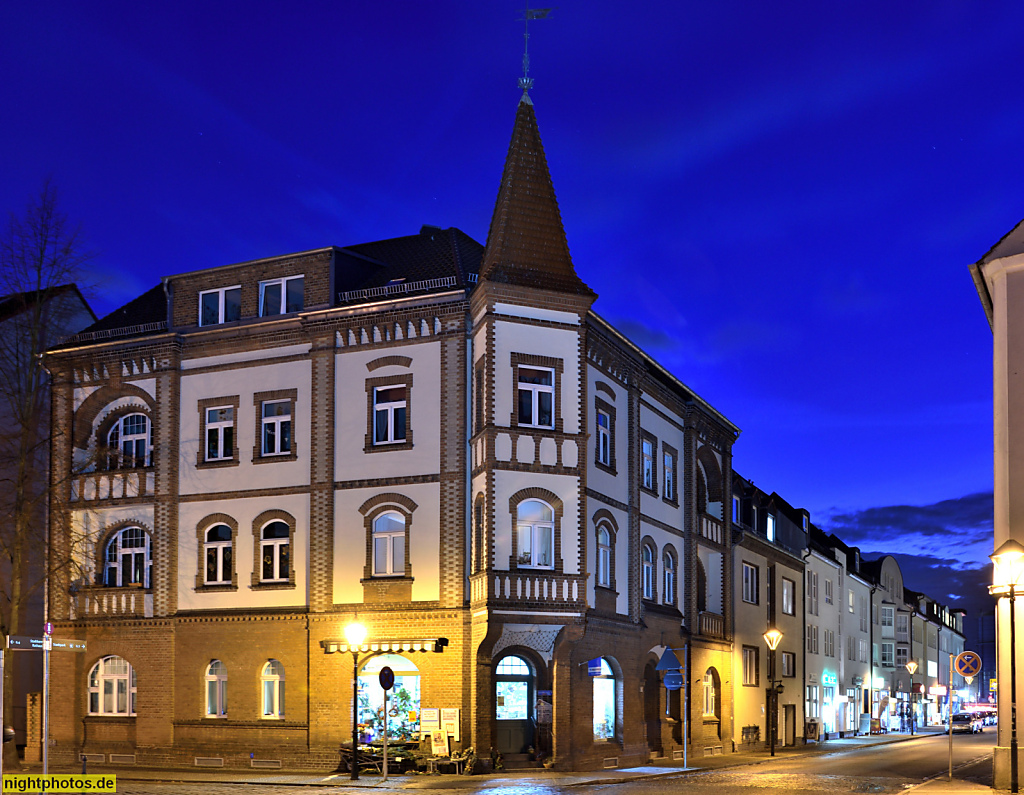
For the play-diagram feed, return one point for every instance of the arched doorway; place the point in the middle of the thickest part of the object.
(652, 708)
(514, 695)
(403, 699)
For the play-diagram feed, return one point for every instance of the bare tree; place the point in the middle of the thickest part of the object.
(42, 257)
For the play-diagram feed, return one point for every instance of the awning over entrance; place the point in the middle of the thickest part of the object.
(399, 646)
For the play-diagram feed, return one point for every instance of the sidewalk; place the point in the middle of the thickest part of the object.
(655, 769)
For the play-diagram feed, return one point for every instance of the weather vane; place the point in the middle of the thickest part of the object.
(526, 82)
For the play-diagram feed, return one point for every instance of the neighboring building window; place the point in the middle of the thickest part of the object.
(668, 562)
(535, 534)
(862, 651)
(903, 626)
(281, 296)
(112, 688)
(812, 639)
(216, 690)
(277, 427)
(770, 528)
(788, 596)
(849, 600)
(830, 643)
(788, 663)
(709, 694)
(389, 410)
(812, 593)
(220, 306)
(536, 397)
(274, 552)
(647, 574)
(750, 584)
(851, 648)
(220, 433)
(389, 545)
(888, 654)
(902, 656)
(811, 706)
(217, 549)
(647, 464)
(604, 557)
(127, 559)
(736, 517)
(669, 462)
(803, 521)
(272, 685)
(828, 591)
(605, 703)
(750, 665)
(888, 614)
(863, 618)
(604, 438)
(130, 442)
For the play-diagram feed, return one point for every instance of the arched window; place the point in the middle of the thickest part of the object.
(272, 686)
(647, 571)
(604, 557)
(218, 555)
(403, 698)
(127, 560)
(274, 552)
(130, 442)
(112, 687)
(535, 536)
(605, 702)
(668, 562)
(709, 693)
(389, 545)
(216, 690)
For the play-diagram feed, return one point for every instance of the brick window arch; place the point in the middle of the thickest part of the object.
(536, 531)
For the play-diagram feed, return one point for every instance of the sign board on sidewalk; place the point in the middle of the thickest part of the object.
(26, 643)
(439, 743)
(450, 722)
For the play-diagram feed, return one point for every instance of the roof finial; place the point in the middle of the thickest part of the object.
(526, 82)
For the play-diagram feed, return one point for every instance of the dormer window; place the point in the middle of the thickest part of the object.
(281, 296)
(220, 306)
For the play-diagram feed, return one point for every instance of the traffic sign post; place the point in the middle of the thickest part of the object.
(968, 665)
(386, 677)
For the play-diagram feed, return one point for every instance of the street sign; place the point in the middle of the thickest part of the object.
(968, 663)
(26, 643)
(47, 628)
(386, 678)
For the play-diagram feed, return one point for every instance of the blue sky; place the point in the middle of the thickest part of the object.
(778, 201)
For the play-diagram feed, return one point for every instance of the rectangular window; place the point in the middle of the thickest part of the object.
(220, 306)
(849, 600)
(888, 654)
(736, 510)
(750, 585)
(788, 596)
(750, 665)
(863, 614)
(812, 593)
(277, 427)
(788, 663)
(902, 626)
(647, 465)
(828, 591)
(770, 528)
(281, 296)
(220, 433)
(862, 650)
(888, 614)
(389, 414)
(851, 648)
(604, 438)
(669, 462)
(902, 656)
(811, 706)
(812, 639)
(830, 643)
(536, 397)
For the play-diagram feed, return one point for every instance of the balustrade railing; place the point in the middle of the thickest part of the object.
(114, 484)
(99, 602)
(712, 625)
(527, 586)
(711, 529)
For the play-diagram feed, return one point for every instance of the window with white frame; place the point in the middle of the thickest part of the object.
(788, 596)
(903, 626)
(647, 464)
(709, 694)
(390, 404)
(888, 616)
(812, 593)
(863, 615)
(604, 438)
(127, 559)
(216, 690)
(770, 527)
(669, 464)
(751, 656)
(750, 584)
(862, 650)
(788, 663)
(812, 709)
(130, 442)
(277, 427)
(112, 688)
(830, 643)
(281, 296)
(274, 552)
(389, 545)
(849, 600)
(604, 557)
(222, 305)
(828, 591)
(812, 639)
(220, 433)
(217, 550)
(888, 654)
(902, 656)
(668, 563)
(272, 689)
(536, 397)
(535, 535)
(851, 648)
(647, 571)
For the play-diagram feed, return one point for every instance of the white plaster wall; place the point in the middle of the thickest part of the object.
(80, 394)
(424, 541)
(566, 487)
(555, 343)
(255, 355)
(244, 382)
(537, 313)
(350, 413)
(243, 511)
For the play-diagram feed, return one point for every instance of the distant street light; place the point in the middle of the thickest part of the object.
(772, 637)
(355, 634)
(1008, 570)
(912, 667)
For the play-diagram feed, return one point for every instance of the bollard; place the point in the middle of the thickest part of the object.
(84, 761)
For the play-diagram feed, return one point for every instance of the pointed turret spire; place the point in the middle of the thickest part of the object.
(526, 244)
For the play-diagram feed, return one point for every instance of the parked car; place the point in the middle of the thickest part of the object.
(965, 722)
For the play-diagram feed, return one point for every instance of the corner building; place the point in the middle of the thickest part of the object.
(435, 438)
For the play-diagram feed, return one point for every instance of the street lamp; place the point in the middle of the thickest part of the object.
(355, 634)
(772, 637)
(912, 667)
(1008, 569)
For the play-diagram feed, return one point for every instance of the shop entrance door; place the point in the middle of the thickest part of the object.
(514, 705)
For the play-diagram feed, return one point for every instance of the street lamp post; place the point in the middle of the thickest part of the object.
(1006, 574)
(355, 634)
(912, 667)
(772, 637)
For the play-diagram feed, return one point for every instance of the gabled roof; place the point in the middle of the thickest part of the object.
(1010, 244)
(15, 303)
(526, 244)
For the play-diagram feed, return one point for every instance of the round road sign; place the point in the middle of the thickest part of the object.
(968, 663)
(386, 677)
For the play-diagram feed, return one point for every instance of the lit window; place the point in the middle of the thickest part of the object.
(604, 438)
(709, 694)
(770, 528)
(218, 555)
(389, 544)
(750, 665)
(750, 584)
(647, 450)
(536, 397)
(220, 433)
(668, 561)
(127, 559)
(216, 690)
(130, 443)
(788, 596)
(389, 414)
(112, 687)
(280, 296)
(604, 557)
(605, 703)
(272, 685)
(647, 571)
(788, 663)
(277, 427)
(535, 534)
(828, 592)
(220, 306)
(274, 548)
